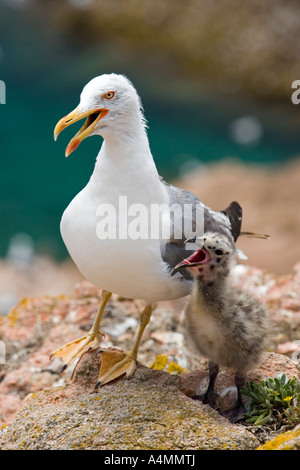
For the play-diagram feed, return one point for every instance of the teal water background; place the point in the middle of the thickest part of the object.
(44, 73)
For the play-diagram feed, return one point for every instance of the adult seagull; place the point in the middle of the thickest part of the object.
(131, 266)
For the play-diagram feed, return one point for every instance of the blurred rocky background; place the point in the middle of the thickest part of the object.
(215, 79)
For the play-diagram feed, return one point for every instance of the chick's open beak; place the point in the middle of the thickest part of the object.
(200, 257)
(93, 116)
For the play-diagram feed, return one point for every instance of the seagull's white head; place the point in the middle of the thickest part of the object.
(110, 104)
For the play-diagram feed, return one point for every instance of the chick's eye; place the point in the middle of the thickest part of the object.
(109, 95)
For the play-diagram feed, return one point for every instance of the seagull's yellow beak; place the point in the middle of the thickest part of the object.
(93, 116)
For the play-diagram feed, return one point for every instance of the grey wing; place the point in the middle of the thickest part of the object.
(175, 250)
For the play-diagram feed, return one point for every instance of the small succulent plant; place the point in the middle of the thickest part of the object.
(273, 400)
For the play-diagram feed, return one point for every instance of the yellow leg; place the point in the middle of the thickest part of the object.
(77, 348)
(114, 364)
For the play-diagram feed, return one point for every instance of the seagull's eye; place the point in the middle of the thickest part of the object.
(109, 95)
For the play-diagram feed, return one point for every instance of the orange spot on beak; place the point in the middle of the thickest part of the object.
(72, 146)
(93, 116)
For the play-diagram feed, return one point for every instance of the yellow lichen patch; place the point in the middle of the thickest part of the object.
(13, 317)
(25, 301)
(174, 368)
(63, 297)
(14, 314)
(280, 442)
(159, 362)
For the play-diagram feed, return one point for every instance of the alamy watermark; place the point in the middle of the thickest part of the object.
(2, 92)
(296, 94)
(2, 353)
(149, 222)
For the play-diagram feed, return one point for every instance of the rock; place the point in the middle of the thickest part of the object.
(289, 440)
(288, 347)
(9, 406)
(147, 411)
(271, 365)
(281, 296)
(38, 325)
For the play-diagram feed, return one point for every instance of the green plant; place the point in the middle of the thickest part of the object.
(273, 400)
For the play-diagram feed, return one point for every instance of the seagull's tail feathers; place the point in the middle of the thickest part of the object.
(234, 213)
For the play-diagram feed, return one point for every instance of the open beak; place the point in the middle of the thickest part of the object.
(200, 257)
(93, 116)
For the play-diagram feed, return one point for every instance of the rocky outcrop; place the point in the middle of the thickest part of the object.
(146, 412)
(151, 410)
(40, 408)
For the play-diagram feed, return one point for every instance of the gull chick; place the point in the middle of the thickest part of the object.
(227, 326)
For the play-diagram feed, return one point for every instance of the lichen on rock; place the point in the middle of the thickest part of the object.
(147, 411)
(289, 440)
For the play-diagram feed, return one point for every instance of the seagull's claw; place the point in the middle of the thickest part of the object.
(113, 365)
(75, 349)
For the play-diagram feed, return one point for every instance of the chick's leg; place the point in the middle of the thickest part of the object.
(75, 349)
(115, 363)
(236, 413)
(210, 394)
